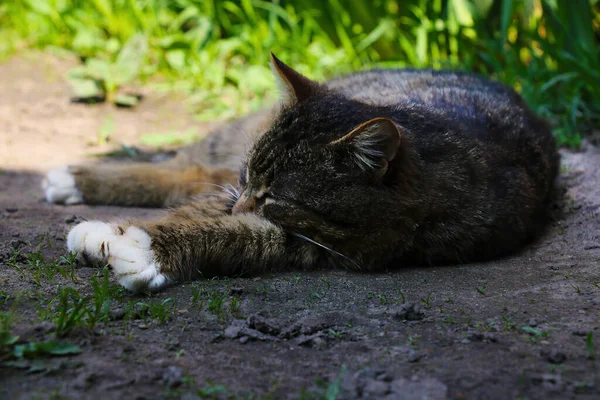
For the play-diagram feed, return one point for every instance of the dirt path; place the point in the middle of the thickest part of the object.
(521, 327)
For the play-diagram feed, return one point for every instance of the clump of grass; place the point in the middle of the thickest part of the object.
(217, 51)
(12, 351)
(161, 311)
(70, 310)
(535, 334)
(427, 300)
(481, 289)
(589, 345)
(216, 300)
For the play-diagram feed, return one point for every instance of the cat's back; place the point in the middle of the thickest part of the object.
(432, 103)
(426, 86)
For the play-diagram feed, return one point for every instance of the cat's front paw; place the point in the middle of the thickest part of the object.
(127, 251)
(60, 187)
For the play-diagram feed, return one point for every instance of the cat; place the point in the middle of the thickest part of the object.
(370, 171)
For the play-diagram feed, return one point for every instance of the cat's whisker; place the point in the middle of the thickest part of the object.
(298, 235)
(224, 196)
(224, 188)
(234, 189)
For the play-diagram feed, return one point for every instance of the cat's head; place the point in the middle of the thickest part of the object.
(329, 167)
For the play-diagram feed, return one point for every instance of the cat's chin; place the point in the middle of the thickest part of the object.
(127, 251)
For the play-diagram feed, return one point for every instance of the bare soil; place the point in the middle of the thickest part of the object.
(522, 327)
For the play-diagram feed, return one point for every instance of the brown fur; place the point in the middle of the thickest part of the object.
(148, 185)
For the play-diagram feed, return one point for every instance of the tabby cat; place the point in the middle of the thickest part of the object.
(374, 170)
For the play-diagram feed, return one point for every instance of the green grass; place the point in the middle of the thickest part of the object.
(217, 51)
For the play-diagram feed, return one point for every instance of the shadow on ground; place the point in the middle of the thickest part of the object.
(521, 326)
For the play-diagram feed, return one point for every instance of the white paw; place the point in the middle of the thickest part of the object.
(60, 187)
(127, 252)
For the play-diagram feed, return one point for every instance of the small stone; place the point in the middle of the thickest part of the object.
(532, 323)
(375, 389)
(128, 348)
(416, 389)
(172, 345)
(173, 376)
(556, 357)
(236, 290)
(232, 332)
(409, 312)
(263, 325)
(552, 382)
(475, 337)
(414, 356)
(244, 339)
(73, 219)
(84, 380)
(490, 337)
(143, 326)
(316, 341)
(116, 314)
(16, 243)
(384, 376)
(596, 300)
(45, 327)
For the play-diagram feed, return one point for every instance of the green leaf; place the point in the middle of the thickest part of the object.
(107, 128)
(61, 349)
(6, 339)
(85, 88)
(176, 59)
(532, 331)
(168, 139)
(98, 69)
(126, 100)
(130, 59)
(37, 349)
(462, 10)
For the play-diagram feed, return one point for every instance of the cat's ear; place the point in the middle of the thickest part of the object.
(374, 143)
(294, 86)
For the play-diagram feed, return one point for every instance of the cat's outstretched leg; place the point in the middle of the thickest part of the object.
(190, 242)
(140, 184)
(172, 182)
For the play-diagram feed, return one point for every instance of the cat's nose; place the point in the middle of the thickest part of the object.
(244, 204)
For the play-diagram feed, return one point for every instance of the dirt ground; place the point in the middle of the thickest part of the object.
(522, 327)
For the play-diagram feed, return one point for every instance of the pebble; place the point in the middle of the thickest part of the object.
(236, 290)
(414, 356)
(117, 314)
(375, 389)
(409, 312)
(490, 337)
(532, 323)
(45, 327)
(173, 376)
(73, 219)
(557, 357)
(580, 332)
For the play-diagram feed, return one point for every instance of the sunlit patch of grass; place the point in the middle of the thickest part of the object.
(217, 51)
